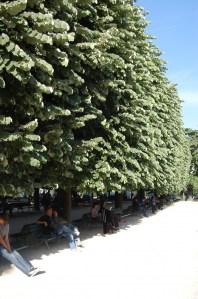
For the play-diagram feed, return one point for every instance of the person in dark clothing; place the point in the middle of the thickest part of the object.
(153, 204)
(135, 204)
(115, 220)
(47, 221)
(161, 202)
(107, 220)
(143, 206)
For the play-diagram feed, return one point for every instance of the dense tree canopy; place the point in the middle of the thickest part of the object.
(138, 110)
(193, 140)
(84, 100)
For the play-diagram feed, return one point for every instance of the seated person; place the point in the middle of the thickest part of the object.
(12, 255)
(54, 224)
(47, 221)
(69, 231)
(95, 210)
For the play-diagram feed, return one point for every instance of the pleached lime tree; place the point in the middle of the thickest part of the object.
(84, 99)
(138, 125)
(109, 83)
(192, 136)
(33, 45)
(20, 98)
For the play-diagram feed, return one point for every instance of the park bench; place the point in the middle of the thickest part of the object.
(32, 234)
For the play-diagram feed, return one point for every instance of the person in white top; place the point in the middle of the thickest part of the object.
(11, 255)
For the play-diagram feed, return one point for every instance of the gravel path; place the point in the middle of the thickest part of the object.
(152, 258)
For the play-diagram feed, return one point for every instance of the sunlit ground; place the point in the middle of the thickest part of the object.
(154, 259)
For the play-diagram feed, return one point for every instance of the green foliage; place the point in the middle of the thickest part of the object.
(193, 183)
(192, 136)
(142, 143)
(193, 140)
(84, 99)
(33, 52)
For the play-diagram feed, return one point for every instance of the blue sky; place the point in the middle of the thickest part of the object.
(175, 25)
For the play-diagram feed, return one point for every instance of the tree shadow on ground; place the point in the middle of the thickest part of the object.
(37, 251)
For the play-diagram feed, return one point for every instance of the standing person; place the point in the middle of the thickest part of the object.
(153, 203)
(12, 255)
(107, 218)
(161, 202)
(143, 206)
(115, 220)
(135, 204)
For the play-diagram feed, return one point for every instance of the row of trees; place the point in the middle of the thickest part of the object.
(193, 140)
(84, 100)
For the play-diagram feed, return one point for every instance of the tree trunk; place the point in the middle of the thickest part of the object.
(118, 200)
(36, 199)
(109, 195)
